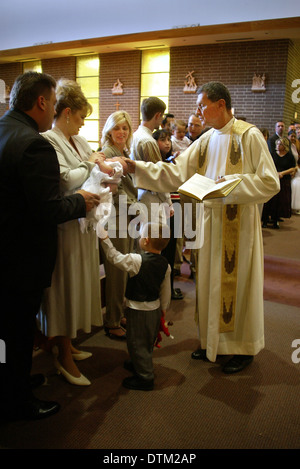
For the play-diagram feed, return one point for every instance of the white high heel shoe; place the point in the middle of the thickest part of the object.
(76, 356)
(81, 355)
(80, 381)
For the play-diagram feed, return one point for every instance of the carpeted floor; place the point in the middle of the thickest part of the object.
(282, 262)
(194, 405)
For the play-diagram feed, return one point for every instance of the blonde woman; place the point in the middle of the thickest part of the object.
(116, 141)
(73, 301)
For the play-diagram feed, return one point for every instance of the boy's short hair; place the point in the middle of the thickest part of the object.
(159, 233)
(166, 117)
(150, 106)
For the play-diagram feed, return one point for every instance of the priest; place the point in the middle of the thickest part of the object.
(229, 281)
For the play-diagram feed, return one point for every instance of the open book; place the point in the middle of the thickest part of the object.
(200, 187)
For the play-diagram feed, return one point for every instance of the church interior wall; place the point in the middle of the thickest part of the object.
(232, 63)
(126, 66)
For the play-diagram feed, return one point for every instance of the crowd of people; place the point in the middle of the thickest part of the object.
(285, 151)
(52, 274)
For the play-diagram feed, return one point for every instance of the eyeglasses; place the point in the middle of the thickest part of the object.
(201, 107)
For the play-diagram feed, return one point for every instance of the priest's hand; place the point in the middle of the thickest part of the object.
(130, 165)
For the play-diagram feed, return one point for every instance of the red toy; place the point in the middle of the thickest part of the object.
(163, 328)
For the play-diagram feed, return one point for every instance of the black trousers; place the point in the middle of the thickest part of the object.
(141, 333)
(170, 251)
(18, 310)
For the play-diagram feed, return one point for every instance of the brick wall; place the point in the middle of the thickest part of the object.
(125, 66)
(64, 67)
(234, 64)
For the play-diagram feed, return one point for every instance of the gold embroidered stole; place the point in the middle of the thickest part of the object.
(230, 226)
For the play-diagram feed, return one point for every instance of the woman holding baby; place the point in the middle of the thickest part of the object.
(73, 301)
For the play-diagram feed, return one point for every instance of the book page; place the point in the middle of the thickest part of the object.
(201, 187)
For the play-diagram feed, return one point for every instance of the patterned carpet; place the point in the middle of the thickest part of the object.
(194, 405)
(282, 262)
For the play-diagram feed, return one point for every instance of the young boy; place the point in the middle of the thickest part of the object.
(179, 140)
(147, 297)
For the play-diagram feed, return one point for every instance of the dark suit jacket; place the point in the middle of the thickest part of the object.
(31, 205)
(271, 143)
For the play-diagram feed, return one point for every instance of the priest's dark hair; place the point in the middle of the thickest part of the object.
(215, 91)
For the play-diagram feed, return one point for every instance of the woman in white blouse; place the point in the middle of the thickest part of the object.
(73, 301)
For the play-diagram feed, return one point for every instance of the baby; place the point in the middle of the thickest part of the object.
(179, 140)
(103, 181)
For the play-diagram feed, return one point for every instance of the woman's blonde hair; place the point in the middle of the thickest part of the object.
(69, 94)
(116, 118)
(285, 142)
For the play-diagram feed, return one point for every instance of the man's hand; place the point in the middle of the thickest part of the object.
(130, 165)
(91, 200)
(113, 188)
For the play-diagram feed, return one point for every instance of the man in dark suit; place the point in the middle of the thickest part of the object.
(31, 207)
(279, 130)
(195, 127)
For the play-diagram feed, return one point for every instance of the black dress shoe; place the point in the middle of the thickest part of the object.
(33, 409)
(37, 380)
(199, 354)
(237, 363)
(109, 332)
(177, 294)
(138, 383)
(186, 260)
